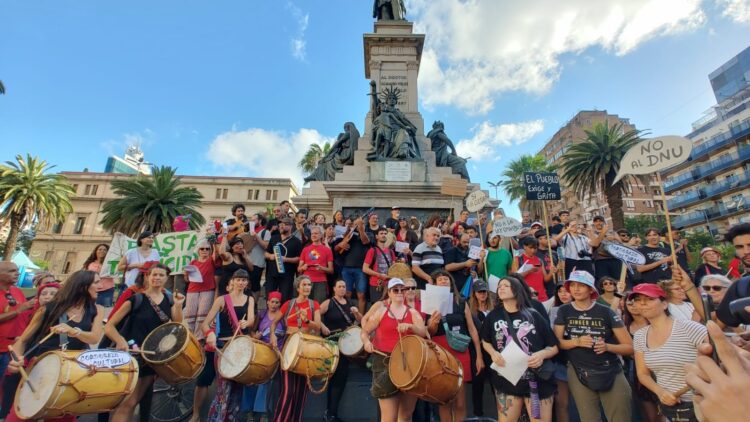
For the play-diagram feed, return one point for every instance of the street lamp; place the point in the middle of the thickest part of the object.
(495, 185)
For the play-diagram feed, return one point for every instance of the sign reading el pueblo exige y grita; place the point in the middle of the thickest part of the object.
(542, 186)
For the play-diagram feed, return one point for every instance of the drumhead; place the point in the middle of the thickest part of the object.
(291, 348)
(406, 361)
(167, 341)
(44, 376)
(350, 342)
(399, 270)
(237, 355)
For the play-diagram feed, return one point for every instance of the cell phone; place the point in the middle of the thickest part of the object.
(737, 308)
(708, 307)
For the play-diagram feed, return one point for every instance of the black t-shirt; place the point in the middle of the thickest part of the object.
(53, 343)
(334, 319)
(704, 270)
(225, 321)
(739, 289)
(145, 319)
(290, 248)
(458, 256)
(391, 223)
(456, 320)
(355, 257)
(662, 272)
(597, 322)
(532, 330)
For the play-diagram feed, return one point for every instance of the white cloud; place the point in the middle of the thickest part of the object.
(142, 139)
(477, 49)
(488, 139)
(736, 10)
(263, 153)
(298, 43)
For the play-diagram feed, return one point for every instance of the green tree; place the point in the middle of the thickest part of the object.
(151, 203)
(513, 184)
(310, 160)
(590, 166)
(2, 88)
(29, 196)
(640, 223)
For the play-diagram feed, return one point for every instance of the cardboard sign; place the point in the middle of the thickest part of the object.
(542, 186)
(453, 187)
(103, 359)
(623, 253)
(176, 250)
(476, 201)
(506, 227)
(654, 155)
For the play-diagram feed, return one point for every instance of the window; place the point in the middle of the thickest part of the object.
(648, 204)
(253, 194)
(268, 194)
(75, 188)
(275, 195)
(256, 195)
(80, 222)
(657, 192)
(737, 198)
(630, 203)
(69, 259)
(57, 228)
(88, 190)
(218, 193)
(91, 189)
(222, 193)
(48, 256)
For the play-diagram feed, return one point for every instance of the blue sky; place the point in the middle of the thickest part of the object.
(244, 87)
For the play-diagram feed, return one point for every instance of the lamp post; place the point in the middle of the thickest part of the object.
(495, 185)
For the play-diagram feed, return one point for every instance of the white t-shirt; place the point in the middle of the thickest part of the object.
(134, 256)
(682, 311)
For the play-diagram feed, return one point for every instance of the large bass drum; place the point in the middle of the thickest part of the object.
(310, 356)
(422, 368)
(248, 361)
(177, 355)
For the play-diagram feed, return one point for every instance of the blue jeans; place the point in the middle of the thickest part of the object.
(4, 361)
(355, 279)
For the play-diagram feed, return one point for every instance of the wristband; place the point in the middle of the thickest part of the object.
(691, 288)
(207, 332)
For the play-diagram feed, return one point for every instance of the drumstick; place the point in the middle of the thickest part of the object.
(222, 355)
(378, 352)
(21, 369)
(237, 331)
(143, 352)
(52, 333)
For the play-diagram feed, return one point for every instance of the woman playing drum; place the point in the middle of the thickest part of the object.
(301, 314)
(338, 315)
(389, 324)
(235, 310)
(460, 320)
(155, 309)
(73, 314)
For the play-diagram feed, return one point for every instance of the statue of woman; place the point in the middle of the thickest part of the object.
(441, 145)
(340, 155)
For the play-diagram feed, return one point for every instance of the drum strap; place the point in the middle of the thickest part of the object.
(63, 336)
(343, 312)
(162, 316)
(229, 308)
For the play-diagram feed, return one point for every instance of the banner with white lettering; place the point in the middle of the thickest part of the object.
(176, 249)
(541, 186)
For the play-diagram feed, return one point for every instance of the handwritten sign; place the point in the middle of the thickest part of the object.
(542, 186)
(474, 252)
(176, 250)
(476, 201)
(654, 155)
(103, 359)
(506, 226)
(453, 187)
(624, 253)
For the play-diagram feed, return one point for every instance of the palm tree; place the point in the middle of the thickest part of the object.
(513, 182)
(151, 203)
(590, 166)
(310, 160)
(2, 88)
(30, 195)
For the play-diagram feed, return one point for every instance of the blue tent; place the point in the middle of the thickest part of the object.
(25, 267)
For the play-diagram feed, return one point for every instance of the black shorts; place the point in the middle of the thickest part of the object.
(208, 374)
(255, 276)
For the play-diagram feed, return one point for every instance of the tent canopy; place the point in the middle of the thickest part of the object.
(23, 260)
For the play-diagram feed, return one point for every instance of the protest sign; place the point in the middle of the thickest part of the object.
(506, 226)
(625, 254)
(454, 187)
(654, 155)
(542, 186)
(176, 250)
(437, 298)
(476, 201)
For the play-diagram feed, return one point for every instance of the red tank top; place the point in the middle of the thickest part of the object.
(386, 336)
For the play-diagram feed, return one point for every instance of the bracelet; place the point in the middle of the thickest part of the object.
(691, 288)
(207, 332)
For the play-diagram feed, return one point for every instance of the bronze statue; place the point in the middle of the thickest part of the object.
(340, 155)
(393, 135)
(389, 10)
(443, 157)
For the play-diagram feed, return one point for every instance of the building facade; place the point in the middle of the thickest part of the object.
(711, 190)
(133, 162)
(66, 246)
(640, 198)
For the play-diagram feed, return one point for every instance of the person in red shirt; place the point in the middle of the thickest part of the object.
(531, 268)
(12, 305)
(377, 261)
(200, 296)
(316, 262)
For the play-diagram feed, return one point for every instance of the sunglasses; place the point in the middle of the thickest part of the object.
(11, 300)
(714, 288)
(610, 283)
(204, 249)
(397, 290)
(410, 288)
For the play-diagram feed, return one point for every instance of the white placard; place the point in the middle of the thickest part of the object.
(339, 231)
(251, 225)
(103, 359)
(476, 201)
(506, 226)
(474, 252)
(193, 274)
(516, 363)
(401, 246)
(437, 298)
(653, 155)
(525, 267)
(624, 253)
(492, 283)
(398, 171)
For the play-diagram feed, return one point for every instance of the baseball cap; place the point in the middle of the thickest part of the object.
(537, 223)
(709, 249)
(395, 207)
(540, 233)
(395, 282)
(480, 286)
(647, 289)
(582, 277)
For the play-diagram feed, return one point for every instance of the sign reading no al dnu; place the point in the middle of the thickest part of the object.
(542, 186)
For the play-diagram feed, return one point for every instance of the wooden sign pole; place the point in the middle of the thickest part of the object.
(669, 223)
(486, 252)
(549, 243)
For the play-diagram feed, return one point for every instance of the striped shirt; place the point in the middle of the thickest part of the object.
(668, 361)
(428, 259)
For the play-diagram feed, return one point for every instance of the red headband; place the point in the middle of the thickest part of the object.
(274, 295)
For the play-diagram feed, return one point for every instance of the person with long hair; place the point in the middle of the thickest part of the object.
(136, 258)
(480, 305)
(234, 312)
(156, 308)
(95, 263)
(300, 314)
(645, 400)
(608, 295)
(658, 259)
(233, 257)
(459, 320)
(338, 313)
(663, 348)
(405, 234)
(563, 404)
(200, 295)
(73, 314)
(391, 321)
(514, 321)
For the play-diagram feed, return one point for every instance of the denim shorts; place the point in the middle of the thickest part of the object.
(355, 279)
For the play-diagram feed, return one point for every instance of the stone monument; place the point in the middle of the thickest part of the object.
(392, 162)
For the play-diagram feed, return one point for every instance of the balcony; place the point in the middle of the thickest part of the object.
(689, 219)
(714, 144)
(709, 169)
(708, 191)
(686, 199)
(711, 213)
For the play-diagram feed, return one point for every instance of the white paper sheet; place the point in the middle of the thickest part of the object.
(251, 225)
(474, 252)
(401, 246)
(193, 274)
(516, 363)
(492, 283)
(437, 298)
(525, 267)
(339, 231)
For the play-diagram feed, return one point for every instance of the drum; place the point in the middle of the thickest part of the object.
(424, 369)
(399, 270)
(311, 356)
(76, 383)
(177, 357)
(350, 342)
(248, 361)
